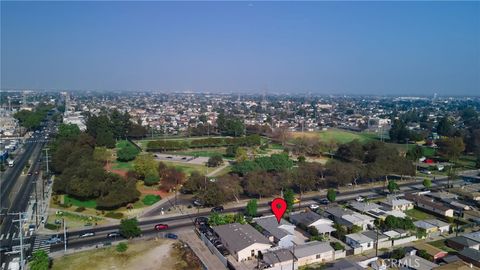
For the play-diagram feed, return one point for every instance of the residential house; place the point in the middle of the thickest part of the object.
(314, 252)
(435, 252)
(282, 234)
(278, 259)
(470, 255)
(429, 204)
(359, 240)
(414, 262)
(442, 227)
(375, 210)
(457, 265)
(462, 242)
(349, 218)
(394, 203)
(309, 218)
(242, 240)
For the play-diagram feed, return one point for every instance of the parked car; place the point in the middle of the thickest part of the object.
(360, 199)
(324, 201)
(197, 203)
(313, 206)
(87, 234)
(171, 236)
(201, 221)
(224, 251)
(113, 235)
(217, 209)
(296, 200)
(160, 227)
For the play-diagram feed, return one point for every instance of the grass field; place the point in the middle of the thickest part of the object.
(87, 204)
(441, 245)
(337, 135)
(119, 165)
(418, 214)
(143, 143)
(187, 168)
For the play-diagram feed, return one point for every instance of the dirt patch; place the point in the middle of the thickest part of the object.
(140, 255)
(108, 168)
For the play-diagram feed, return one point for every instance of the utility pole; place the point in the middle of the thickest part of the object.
(20, 230)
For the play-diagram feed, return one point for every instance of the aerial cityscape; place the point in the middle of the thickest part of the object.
(240, 135)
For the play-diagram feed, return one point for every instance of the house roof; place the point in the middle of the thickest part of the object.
(417, 263)
(373, 235)
(437, 222)
(344, 264)
(359, 238)
(464, 241)
(434, 251)
(424, 225)
(312, 248)
(305, 217)
(427, 201)
(277, 256)
(473, 236)
(338, 211)
(271, 225)
(471, 253)
(238, 236)
(393, 201)
(457, 265)
(363, 206)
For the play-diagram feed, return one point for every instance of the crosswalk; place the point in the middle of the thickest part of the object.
(15, 235)
(40, 243)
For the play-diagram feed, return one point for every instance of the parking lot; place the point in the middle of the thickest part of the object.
(182, 159)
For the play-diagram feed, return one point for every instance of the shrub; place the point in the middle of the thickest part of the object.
(50, 226)
(151, 179)
(116, 215)
(337, 246)
(80, 209)
(151, 199)
(122, 247)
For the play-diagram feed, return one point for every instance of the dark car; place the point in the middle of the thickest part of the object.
(29, 173)
(217, 209)
(171, 236)
(160, 227)
(324, 201)
(224, 251)
(201, 221)
(113, 235)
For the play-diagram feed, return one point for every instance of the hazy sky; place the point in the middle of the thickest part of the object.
(323, 47)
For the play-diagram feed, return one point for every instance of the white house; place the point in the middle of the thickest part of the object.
(357, 240)
(282, 234)
(314, 252)
(394, 203)
(309, 218)
(242, 240)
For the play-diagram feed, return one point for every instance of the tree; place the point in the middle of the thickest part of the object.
(392, 186)
(451, 148)
(105, 138)
(151, 179)
(301, 159)
(40, 261)
(415, 153)
(215, 161)
(231, 150)
(144, 164)
(129, 228)
(101, 154)
(251, 209)
(260, 184)
(172, 177)
(331, 194)
(398, 253)
(241, 155)
(289, 197)
(122, 247)
(230, 186)
(194, 183)
(212, 195)
(427, 182)
(445, 127)
(127, 153)
(399, 131)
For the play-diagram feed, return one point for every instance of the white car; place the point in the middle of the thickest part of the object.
(360, 199)
(314, 206)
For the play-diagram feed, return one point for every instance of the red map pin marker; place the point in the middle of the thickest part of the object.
(279, 206)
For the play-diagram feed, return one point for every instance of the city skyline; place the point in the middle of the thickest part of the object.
(413, 48)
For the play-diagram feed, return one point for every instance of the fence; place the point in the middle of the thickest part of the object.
(404, 240)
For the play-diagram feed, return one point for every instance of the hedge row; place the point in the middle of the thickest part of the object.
(168, 145)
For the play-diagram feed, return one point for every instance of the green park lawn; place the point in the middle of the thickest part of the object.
(338, 136)
(187, 168)
(119, 165)
(87, 204)
(418, 214)
(208, 152)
